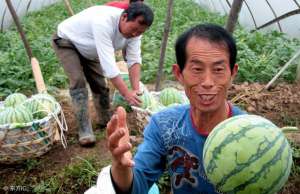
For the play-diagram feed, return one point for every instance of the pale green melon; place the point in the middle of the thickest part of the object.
(155, 107)
(2, 108)
(45, 96)
(147, 100)
(41, 105)
(118, 100)
(14, 99)
(170, 96)
(17, 114)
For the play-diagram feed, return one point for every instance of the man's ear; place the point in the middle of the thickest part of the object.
(234, 70)
(124, 17)
(177, 73)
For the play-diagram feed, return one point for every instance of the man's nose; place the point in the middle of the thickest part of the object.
(207, 81)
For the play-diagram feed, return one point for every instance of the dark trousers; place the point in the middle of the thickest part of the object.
(79, 69)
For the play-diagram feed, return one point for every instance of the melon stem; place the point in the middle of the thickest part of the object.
(289, 129)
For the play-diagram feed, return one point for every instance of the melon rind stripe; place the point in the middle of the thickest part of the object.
(267, 165)
(225, 124)
(24, 116)
(27, 115)
(229, 138)
(251, 160)
(215, 132)
(282, 179)
(14, 101)
(18, 115)
(265, 180)
(13, 117)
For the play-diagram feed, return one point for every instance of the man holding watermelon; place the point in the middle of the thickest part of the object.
(174, 138)
(85, 44)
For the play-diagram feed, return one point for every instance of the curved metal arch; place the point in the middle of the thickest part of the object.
(252, 16)
(295, 1)
(288, 14)
(229, 5)
(213, 5)
(18, 6)
(28, 5)
(2, 22)
(222, 5)
(274, 13)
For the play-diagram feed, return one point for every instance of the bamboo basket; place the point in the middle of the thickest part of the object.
(29, 140)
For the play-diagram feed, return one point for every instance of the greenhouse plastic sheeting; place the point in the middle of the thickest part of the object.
(21, 7)
(256, 13)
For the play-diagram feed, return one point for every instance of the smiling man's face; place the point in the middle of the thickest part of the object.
(134, 28)
(206, 76)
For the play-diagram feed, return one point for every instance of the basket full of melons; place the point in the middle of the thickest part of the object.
(27, 126)
(152, 102)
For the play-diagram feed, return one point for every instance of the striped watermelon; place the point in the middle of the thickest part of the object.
(41, 105)
(170, 96)
(2, 108)
(147, 100)
(247, 154)
(155, 107)
(44, 96)
(17, 114)
(14, 99)
(118, 100)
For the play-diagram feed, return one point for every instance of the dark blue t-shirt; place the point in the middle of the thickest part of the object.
(171, 142)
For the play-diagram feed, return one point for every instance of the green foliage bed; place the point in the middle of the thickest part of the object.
(260, 55)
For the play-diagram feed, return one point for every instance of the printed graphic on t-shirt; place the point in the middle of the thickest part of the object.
(183, 164)
(184, 152)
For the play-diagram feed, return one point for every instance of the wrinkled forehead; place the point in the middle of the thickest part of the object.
(206, 45)
(205, 42)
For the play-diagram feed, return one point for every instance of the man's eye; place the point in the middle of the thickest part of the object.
(219, 70)
(197, 69)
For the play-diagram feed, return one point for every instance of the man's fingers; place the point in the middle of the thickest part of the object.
(123, 155)
(138, 99)
(121, 149)
(114, 138)
(121, 117)
(111, 125)
(135, 101)
(127, 162)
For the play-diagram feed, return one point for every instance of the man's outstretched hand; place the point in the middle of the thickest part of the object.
(133, 98)
(118, 140)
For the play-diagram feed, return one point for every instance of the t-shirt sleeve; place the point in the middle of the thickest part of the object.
(133, 51)
(237, 111)
(102, 32)
(149, 160)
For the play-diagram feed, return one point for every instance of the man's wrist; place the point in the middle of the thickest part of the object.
(117, 188)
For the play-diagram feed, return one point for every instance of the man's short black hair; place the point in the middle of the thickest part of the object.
(139, 9)
(210, 32)
(132, 1)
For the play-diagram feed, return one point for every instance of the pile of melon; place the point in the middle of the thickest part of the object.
(155, 101)
(19, 109)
